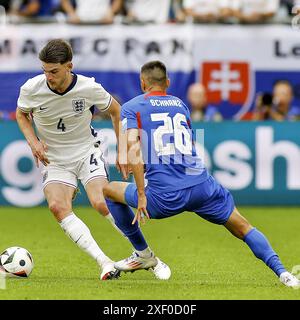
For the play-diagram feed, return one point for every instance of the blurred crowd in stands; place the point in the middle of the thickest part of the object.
(149, 11)
(276, 105)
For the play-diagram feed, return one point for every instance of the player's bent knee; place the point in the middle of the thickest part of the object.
(106, 190)
(58, 208)
(101, 207)
(109, 190)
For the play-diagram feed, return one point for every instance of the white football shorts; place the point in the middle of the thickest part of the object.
(85, 170)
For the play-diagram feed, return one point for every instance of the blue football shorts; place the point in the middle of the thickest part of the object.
(209, 200)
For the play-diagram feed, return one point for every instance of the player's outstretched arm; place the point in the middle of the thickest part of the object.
(135, 162)
(38, 148)
(114, 112)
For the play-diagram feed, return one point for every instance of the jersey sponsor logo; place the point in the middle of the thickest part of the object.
(78, 105)
(43, 108)
(228, 82)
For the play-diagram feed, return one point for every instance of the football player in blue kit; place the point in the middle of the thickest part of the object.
(157, 129)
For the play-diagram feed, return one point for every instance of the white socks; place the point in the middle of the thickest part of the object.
(81, 235)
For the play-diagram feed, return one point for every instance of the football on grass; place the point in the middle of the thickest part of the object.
(16, 262)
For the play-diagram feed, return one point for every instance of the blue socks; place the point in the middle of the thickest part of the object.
(123, 216)
(256, 241)
(262, 249)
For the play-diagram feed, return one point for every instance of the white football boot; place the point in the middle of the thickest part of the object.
(289, 280)
(154, 264)
(109, 272)
(161, 270)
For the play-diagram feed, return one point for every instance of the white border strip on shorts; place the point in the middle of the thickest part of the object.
(60, 182)
(92, 178)
(24, 110)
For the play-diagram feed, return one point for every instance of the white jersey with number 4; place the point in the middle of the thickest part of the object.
(63, 120)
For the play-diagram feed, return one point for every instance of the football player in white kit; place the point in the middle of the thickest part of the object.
(60, 104)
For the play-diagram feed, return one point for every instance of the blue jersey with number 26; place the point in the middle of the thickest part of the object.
(166, 140)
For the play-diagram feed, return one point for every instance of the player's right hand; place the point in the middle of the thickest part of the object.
(122, 168)
(39, 152)
(141, 211)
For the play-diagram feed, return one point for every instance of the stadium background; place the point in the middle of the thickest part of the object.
(258, 161)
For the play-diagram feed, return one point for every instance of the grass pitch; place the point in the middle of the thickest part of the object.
(207, 262)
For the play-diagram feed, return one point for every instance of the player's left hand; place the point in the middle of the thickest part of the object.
(141, 211)
(122, 168)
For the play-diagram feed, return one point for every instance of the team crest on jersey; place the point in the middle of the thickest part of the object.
(78, 105)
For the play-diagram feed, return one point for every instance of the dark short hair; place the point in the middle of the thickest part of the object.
(155, 72)
(56, 51)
